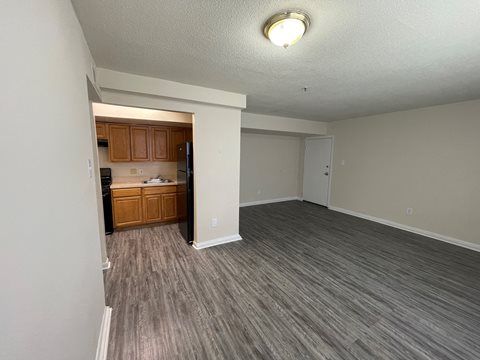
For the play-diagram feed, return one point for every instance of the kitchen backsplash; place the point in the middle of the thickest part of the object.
(137, 169)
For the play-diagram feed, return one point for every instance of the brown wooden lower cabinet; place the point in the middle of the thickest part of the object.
(127, 211)
(169, 206)
(152, 208)
(181, 205)
(149, 205)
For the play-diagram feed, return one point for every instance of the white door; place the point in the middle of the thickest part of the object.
(316, 172)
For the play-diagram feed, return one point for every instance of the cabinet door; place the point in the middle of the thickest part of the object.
(152, 208)
(188, 135)
(177, 137)
(169, 206)
(182, 205)
(119, 142)
(127, 211)
(101, 130)
(160, 143)
(140, 143)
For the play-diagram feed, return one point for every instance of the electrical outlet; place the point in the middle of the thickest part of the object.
(133, 171)
(140, 171)
(214, 222)
(342, 162)
(409, 211)
(259, 192)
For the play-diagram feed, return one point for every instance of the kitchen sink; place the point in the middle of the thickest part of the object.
(157, 181)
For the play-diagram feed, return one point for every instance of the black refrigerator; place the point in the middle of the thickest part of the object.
(185, 190)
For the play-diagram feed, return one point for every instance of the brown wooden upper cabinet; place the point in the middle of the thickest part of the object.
(130, 142)
(160, 143)
(119, 142)
(101, 131)
(177, 138)
(188, 134)
(140, 143)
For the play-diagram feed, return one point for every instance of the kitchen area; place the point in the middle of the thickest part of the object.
(146, 168)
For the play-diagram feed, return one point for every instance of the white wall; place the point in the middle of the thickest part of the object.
(93, 94)
(52, 297)
(216, 139)
(275, 143)
(283, 125)
(425, 159)
(270, 167)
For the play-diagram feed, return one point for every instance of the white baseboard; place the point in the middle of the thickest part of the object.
(106, 265)
(215, 242)
(271, 201)
(444, 238)
(102, 346)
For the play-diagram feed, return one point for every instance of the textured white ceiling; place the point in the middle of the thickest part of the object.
(359, 57)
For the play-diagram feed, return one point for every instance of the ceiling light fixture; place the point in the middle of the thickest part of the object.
(286, 28)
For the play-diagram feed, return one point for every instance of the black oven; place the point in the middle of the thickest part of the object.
(106, 179)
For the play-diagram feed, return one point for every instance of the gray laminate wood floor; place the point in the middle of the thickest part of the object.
(306, 283)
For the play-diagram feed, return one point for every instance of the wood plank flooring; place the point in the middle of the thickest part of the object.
(305, 283)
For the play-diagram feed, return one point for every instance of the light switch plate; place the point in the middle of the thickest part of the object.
(90, 168)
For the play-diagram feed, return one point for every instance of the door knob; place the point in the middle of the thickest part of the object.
(326, 173)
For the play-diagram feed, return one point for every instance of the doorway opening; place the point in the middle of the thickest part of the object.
(141, 168)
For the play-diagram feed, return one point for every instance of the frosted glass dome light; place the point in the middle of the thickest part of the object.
(286, 28)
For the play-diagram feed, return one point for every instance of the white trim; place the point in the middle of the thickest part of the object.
(102, 346)
(215, 242)
(444, 238)
(270, 201)
(106, 265)
(331, 162)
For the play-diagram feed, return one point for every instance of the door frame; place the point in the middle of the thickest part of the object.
(94, 96)
(330, 166)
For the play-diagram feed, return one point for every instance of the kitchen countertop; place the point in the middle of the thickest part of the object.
(138, 184)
